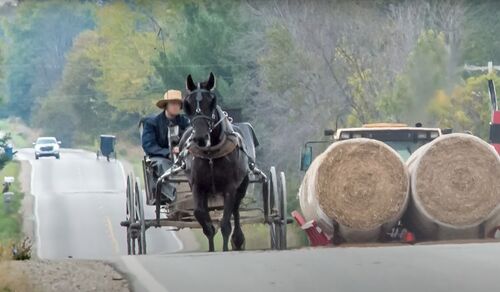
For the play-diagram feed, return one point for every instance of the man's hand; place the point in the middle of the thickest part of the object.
(175, 150)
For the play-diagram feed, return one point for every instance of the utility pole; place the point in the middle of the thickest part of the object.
(489, 68)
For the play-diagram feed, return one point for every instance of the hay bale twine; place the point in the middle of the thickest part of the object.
(455, 188)
(360, 185)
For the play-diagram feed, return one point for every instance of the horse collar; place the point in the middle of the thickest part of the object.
(228, 144)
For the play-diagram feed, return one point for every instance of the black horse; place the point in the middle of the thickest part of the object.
(219, 166)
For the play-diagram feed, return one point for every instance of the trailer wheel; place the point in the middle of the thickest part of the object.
(276, 212)
(283, 210)
(265, 201)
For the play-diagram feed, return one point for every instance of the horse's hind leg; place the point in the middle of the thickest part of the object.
(225, 224)
(238, 239)
(203, 217)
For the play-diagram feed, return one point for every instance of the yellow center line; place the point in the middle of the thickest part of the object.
(116, 246)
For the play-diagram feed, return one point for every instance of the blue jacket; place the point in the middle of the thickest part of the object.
(155, 133)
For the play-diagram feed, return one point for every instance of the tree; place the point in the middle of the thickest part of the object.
(1, 74)
(4, 141)
(39, 36)
(481, 43)
(467, 108)
(424, 75)
(203, 43)
(125, 52)
(77, 98)
(57, 117)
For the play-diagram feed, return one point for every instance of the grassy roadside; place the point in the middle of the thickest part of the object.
(256, 237)
(10, 233)
(21, 135)
(10, 222)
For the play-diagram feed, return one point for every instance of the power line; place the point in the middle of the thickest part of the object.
(116, 65)
(489, 68)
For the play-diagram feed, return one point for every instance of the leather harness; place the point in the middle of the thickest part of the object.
(230, 139)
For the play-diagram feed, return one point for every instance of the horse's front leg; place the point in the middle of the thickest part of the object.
(238, 239)
(203, 217)
(225, 224)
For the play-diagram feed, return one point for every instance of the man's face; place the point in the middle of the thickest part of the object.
(173, 108)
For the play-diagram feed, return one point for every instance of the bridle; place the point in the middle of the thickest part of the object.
(211, 120)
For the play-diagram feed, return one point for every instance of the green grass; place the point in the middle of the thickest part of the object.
(256, 237)
(134, 160)
(10, 223)
(20, 140)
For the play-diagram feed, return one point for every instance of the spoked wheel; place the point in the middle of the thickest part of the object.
(139, 211)
(276, 207)
(283, 209)
(265, 200)
(130, 217)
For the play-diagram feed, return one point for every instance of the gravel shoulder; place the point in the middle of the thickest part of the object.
(27, 204)
(65, 275)
(48, 276)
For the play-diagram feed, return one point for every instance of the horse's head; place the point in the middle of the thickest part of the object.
(200, 105)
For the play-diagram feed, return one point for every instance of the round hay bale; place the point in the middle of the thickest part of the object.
(361, 185)
(454, 187)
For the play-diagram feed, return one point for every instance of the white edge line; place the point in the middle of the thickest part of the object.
(181, 245)
(142, 275)
(37, 240)
(174, 234)
(37, 217)
(124, 175)
(35, 203)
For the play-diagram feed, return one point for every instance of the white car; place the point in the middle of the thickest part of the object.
(47, 146)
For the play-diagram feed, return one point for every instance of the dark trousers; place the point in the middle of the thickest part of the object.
(160, 166)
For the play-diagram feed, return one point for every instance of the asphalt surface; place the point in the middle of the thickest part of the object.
(448, 268)
(79, 203)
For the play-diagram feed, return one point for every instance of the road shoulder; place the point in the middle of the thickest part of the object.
(27, 204)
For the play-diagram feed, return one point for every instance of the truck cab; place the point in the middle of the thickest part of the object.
(403, 139)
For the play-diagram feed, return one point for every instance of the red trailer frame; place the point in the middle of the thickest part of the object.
(495, 117)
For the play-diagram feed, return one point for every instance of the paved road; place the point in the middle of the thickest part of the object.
(447, 268)
(79, 203)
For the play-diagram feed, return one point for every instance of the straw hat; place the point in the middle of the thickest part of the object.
(170, 95)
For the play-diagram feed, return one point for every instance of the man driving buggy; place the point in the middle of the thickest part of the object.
(156, 134)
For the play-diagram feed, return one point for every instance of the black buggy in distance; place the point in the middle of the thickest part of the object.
(107, 147)
(265, 204)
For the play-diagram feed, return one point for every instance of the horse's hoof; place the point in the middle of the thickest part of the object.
(237, 246)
